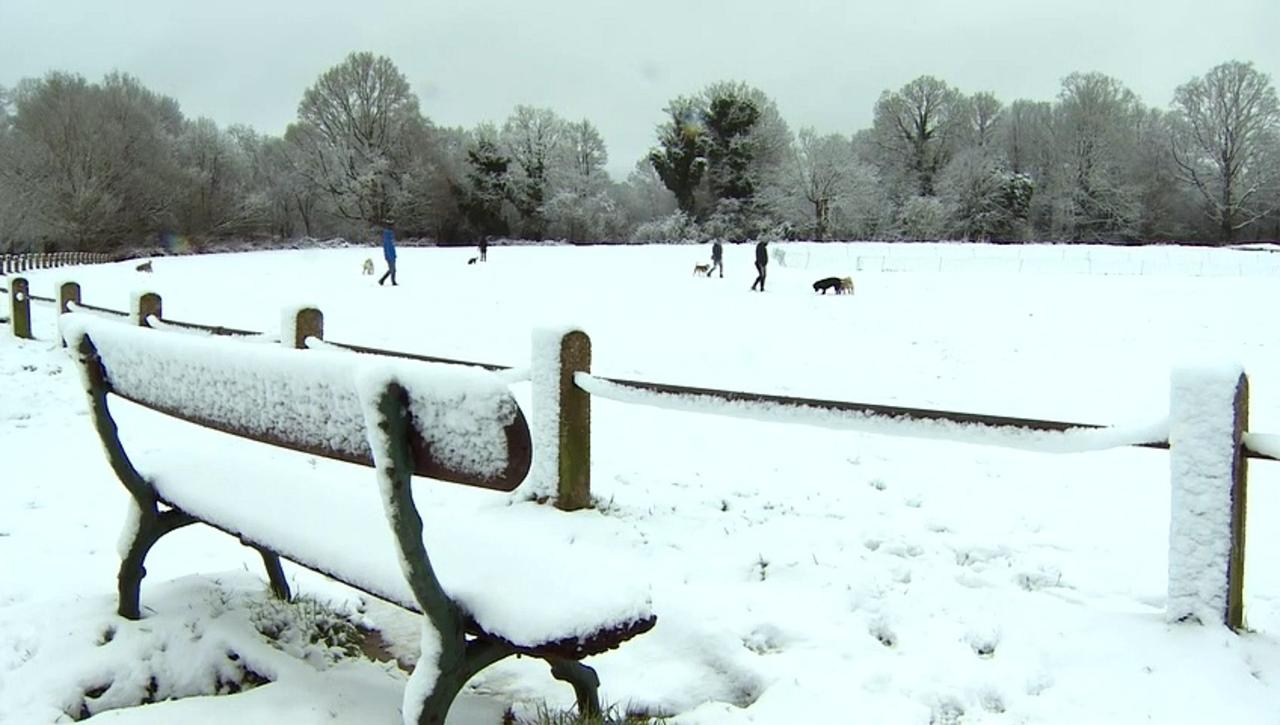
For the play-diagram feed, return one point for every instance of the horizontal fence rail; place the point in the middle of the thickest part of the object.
(950, 425)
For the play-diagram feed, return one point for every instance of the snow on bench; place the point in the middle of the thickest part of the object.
(505, 574)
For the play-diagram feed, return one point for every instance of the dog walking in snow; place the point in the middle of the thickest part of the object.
(841, 285)
(367, 268)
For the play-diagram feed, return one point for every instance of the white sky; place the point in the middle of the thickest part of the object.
(618, 62)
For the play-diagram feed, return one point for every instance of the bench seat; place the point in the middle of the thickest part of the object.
(539, 579)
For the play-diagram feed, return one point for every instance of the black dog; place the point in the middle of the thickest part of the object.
(471, 261)
(827, 283)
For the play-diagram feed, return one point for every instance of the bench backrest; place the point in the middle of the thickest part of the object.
(467, 428)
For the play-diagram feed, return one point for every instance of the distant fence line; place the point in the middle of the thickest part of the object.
(1027, 259)
(10, 263)
(563, 381)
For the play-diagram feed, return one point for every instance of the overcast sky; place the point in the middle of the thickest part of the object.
(618, 62)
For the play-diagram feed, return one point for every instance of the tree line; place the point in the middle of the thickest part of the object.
(100, 166)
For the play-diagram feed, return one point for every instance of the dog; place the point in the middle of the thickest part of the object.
(144, 267)
(702, 269)
(367, 267)
(840, 285)
(472, 260)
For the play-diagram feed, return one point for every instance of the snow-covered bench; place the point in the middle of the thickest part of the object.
(508, 584)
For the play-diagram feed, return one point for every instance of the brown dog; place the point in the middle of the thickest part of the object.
(144, 267)
(702, 269)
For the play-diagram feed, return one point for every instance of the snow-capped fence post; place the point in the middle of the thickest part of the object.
(1208, 413)
(68, 294)
(561, 418)
(148, 304)
(307, 322)
(20, 308)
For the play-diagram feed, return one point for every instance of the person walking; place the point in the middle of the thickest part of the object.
(717, 259)
(484, 248)
(762, 261)
(389, 253)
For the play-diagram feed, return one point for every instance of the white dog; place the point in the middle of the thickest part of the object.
(368, 266)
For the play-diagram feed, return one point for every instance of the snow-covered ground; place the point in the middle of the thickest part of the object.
(799, 574)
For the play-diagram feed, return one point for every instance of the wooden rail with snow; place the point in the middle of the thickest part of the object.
(1208, 479)
(402, 418)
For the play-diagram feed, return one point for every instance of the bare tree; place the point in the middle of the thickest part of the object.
(354, 134)
(821, 169)
(985, 114)
(917, 127)
(89, 163)
(1095, 128)
(1226, 123)
(584, 157)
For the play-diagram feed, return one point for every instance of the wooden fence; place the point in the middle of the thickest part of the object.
(1200, 586)
(10, 263)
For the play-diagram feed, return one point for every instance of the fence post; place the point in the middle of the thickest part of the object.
(147, 304)
(561, 418)
(1208, 414)
(20, 308)
(306, 322)
(68, 294)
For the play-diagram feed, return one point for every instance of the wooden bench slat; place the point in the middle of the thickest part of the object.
(309, 401)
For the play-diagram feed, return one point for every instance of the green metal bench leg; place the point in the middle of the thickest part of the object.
(585, 681)
(275, 572)
(132, 569)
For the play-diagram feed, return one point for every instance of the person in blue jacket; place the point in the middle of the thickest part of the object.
(389, 252)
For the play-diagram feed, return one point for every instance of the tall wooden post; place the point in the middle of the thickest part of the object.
(307, 322)
(149, 303)
(573, 490)
(20, 308)
(561, 421)
(1239, 501)
(1209, 412)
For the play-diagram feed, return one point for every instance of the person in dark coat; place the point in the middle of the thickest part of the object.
(717, 259)
(484, 248)
(762, 261)
(389, 253)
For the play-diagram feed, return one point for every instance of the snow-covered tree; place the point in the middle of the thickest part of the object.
(985, 200)
(918, 129)
(1094, 128)
(489, 183)
(822, 168)
(985, 114)
(355, 131)
(90, 163)
(1226, 123)
(214, 197)
(531, 137)
(680, 158)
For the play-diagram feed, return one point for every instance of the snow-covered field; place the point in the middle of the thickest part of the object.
(800, 575)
